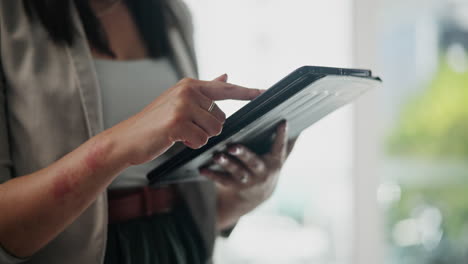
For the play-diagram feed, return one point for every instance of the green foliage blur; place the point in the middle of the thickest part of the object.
(435, 124)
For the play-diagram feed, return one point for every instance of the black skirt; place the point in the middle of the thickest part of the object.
(159, 239)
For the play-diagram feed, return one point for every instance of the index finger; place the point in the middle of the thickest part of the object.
(217, 90)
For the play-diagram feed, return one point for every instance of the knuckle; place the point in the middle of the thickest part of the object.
(197, 146)
(217, 129)
(186, 81)
(202, 141)
(223, 116)
(220, 129)
(185, 93)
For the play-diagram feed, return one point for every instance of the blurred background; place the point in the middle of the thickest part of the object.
(382, 181)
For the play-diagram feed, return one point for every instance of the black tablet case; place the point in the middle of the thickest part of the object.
(302, 98)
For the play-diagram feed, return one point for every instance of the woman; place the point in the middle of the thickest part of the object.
(84, 112)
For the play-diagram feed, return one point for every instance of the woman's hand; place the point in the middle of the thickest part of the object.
(179, 114)
(248, 179)
(50, 199)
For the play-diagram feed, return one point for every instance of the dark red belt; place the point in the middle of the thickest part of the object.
(128, 204)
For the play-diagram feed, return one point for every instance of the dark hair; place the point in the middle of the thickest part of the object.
(56, 17)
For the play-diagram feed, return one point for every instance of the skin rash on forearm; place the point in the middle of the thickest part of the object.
(43, 204)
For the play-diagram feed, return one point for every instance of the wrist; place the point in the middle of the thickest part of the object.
(108, 153)
(135, 144)
(231, 207)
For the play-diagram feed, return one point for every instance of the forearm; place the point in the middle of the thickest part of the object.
(37, 207)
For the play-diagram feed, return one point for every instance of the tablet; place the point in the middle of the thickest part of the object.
(302, 98)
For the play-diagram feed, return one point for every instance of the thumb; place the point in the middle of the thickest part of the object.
(222, 78)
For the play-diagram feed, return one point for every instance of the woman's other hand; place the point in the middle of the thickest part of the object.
(248, 179)
(179, 115)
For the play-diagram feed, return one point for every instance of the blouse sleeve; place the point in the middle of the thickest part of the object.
(6, 164)
(5, 159)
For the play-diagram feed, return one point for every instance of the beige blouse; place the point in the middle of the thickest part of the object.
(50, 103)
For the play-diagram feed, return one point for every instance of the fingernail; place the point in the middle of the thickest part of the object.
(223, 77)
(221, 159)
(235, 150)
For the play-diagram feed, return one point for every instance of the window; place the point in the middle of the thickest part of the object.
(421, 120)
(310, 216)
